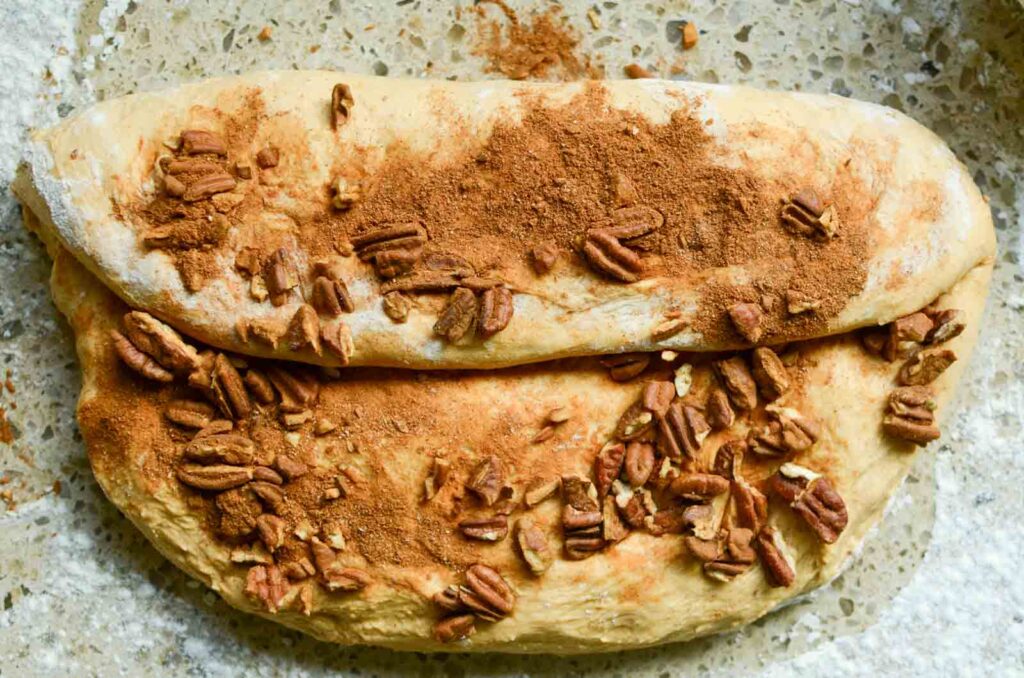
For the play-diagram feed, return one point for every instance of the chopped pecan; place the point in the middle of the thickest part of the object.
(347, 579)
(948, 324)
(298, 388)
(699, 486)
(217, 477)
(268, 157)
(197, 142)
(396, 306)
(331, 297)
(605, 251)
(668, 328)
(268, 493)
(813, 498)
(438, 475)
(788, 432)
(346, 194)
(209, 185)
(292, 421)
(267, 584)
(289, 467)
(300, 569)
(487, 593)
(798, 302)
(911, 415)
(393, 248)
(738, 382)
(259, 386)
(736, 558)
(914, 327)
(539, 490)
(747, 319)
(657, 397)
(455, 628)
(805, 214)
(189, 413)
(304, 330)
(266, 474)
(281, 278)
(682, 431)
(634, 423)
(607, 466)
(337, 337)
(341, 105)
(574, 519)
(159, 342)
(613, 529)
(544, 257)
(626, 366)
(580, 545)
(495, 311)
(774, 557)
(769, 373)
(492, 528)
(631, 508)
(458, 317)
(487, 480)
(751, 505)
(173, 186)
(926, 366)
(533, 546)
(718, 411)
(226, 389)
(223, 448)
(579, 493)
(729, 459)
(682, 379)
(639, 463)
(704, 550)
(272, 531)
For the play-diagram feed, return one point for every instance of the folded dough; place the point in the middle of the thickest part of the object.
(490, 171)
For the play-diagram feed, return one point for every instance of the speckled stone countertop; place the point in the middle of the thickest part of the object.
(936, 589)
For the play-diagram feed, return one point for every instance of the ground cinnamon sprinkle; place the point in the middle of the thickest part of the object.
(545, 47)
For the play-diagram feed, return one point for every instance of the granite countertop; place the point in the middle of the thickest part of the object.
(935, 590)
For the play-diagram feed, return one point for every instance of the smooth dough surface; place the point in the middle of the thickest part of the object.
(925, 222)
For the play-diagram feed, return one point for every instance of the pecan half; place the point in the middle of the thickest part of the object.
(487, 593)
(137, 360)
(396, 306)
(487, 480)
(188, 413)
(267, 584)
(269, 494)
(224, 448)
(626, 366)
(393, 248)
(281, 277)
(259, 386)
(751, 505)
(788, 432)
(217, 477)
(911, 415)
(331, 297)
(682, 431)
(948, 324)
(197, 142)
(699, 486)
(747, 318)
(813, 498)
(458, 317)
(805, 214)
(209, 185)
(926, 367)
(639, 463)
(718, 411)
(738, 382)
(769, 373)
(492, 528)
(605, 251)
(341, 105)
(658, 396)
(297, 387)
(226, 389)
(455, 628)
(778, 566)
(160, 342)
(495, 311)
(533, 546)
(607, 466)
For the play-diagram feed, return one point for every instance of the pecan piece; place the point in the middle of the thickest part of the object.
(227, 389)
(298, 388)
(268, 157)
(487, 480)
(613, 529)
(626, 366)
(492, 528)
(137, 360)
(331, 297)
(634, 423)
(718, 411)
(487, 593)
(914, 327)
(539, 490)
(209, 185)
(454, 628)
(813, 498)
(925, 367)
(682, 431)
(948, 324)
(579, 493)
(189, 413)
(911, 415)
(197, 142)
(495, 311)
(458, 317)
(160, 342)
(259, 387)
(608, 256)
(657, 396)
(607, 466)
(776, 561)
(738, 382)
(217, 477)
(396, 306)
(341, 105)
(699, 486)
(797, 302)
(393, 248)
(271, 529)
(268, 493)
(544, 257)
(223, 448)
(533, 546)
(304, 330)
(769, 373)
(438, 475)
(747, 319)
(267, 584)
(751, 505)
(338, 340)
(788, 432)
(639, 463)
(729, 459)
(704, 550)
(281, 278)
(805, 214)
